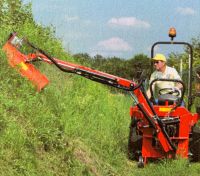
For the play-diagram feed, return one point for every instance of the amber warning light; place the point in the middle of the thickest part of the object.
(172, 33)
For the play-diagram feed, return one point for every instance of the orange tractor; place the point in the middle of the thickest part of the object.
(158, 130)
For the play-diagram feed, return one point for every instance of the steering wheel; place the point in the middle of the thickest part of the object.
(172, 91)
(167, 91)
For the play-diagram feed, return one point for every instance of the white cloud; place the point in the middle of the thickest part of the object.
(111, 47)
(76, 19)
(106, 53)
(71, 18)
(128, 21)
(114, 44)
(185, 11)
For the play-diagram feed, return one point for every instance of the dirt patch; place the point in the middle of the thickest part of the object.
(83, 154)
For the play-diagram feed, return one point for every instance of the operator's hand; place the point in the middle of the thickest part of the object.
(176, 90)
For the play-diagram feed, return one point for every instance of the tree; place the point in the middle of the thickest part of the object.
(14, 13)
(138, 64)
(83, 58)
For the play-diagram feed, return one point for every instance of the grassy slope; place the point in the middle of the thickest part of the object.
(73, 127)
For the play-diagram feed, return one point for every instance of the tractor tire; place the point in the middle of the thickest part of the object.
(134, 141)
(141, 162)
(194, 145)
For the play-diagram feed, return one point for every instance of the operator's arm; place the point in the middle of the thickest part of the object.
(153, 86)
(148, 93)
(177, 76)
(179, 86)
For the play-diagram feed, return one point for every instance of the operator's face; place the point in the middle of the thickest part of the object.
(159, 65)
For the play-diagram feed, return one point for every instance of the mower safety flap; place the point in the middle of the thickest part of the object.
(18, 60)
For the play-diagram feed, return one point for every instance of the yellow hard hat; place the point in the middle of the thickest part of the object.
(160, 57)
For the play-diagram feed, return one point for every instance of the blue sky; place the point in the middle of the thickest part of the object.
(118, 27)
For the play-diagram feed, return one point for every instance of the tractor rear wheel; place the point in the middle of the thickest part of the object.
(195, 144)
(134, 141)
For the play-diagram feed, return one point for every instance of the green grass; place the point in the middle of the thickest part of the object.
(47, 133)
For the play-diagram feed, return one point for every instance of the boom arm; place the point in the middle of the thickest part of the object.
(86, 72)
(14, 42)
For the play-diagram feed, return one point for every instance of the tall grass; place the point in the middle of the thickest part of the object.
(48, 133)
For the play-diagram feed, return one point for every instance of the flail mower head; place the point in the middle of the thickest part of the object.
(20, 62)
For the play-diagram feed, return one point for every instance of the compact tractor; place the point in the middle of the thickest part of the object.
(159, 129)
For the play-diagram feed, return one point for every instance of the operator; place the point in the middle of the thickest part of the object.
(162, 71)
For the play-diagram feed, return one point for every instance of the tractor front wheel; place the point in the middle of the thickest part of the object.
(134, 141)
(195, 144)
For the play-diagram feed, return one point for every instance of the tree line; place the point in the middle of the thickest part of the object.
(129, 69)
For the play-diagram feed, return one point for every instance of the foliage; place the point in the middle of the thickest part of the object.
(129, 69)
(14, 14)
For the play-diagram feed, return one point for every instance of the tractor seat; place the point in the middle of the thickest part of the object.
(171, 99)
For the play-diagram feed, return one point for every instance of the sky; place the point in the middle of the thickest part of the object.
(121, 28)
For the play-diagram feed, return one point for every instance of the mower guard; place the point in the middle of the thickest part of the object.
(18, 61)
